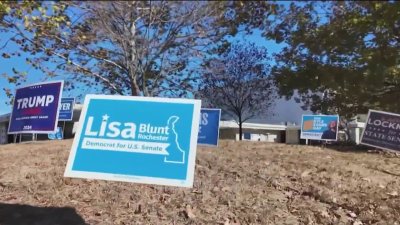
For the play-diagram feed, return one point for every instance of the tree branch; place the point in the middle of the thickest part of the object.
(105, 80)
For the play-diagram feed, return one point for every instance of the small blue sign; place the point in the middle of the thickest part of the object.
(209, 127)
(58, 135)
(319, 127)
(35, 108)
(66, 109)
(136, 139)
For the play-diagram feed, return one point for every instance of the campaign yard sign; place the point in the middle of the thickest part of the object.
(382, 130)
(66, 109)
(319, 127)
(56, 136)
(209, 127)
(36, 108)
(136, 139)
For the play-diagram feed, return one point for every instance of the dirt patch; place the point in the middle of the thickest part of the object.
(237, 183)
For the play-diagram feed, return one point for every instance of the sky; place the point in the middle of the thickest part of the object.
(284, 111)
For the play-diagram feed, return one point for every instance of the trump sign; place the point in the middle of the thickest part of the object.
(136, 139)
(35, 108)
(209, 127)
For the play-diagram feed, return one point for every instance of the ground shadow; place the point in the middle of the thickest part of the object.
(15, 214)
(352, 148)
(343, 147)
(347, 147)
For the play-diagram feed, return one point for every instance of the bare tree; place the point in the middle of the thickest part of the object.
(237, 82)
(128, 47)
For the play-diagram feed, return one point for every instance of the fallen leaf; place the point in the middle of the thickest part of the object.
(305, 173)
(324, 214)
(189, 212)
(227, 222)
(393, 193)
(352, 214)
(366, 179)
(197, 191)
(227, 188)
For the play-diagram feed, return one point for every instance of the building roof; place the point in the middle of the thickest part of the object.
(223, 124)
(259, 126)
(361, 117)
(5, 117)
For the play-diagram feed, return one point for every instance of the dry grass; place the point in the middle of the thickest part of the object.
(237, 183)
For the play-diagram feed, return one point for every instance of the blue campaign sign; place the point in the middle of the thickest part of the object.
(209, 127)
(35, 108)
(66, 109)
(382, 130)
(319, 127)
(57, 135)
(136, 139)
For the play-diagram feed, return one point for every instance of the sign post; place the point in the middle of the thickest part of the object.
(35, 108)
(209, 127)
(136, 139)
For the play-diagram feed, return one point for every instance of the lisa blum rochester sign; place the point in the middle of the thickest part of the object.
(136, 139)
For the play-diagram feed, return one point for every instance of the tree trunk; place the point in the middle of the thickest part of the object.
(135, 90)
(240, 127)
(240, 131)
(347, 132)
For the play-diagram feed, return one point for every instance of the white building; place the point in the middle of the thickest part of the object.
(4, 128)
(253, 131)
(228, 130)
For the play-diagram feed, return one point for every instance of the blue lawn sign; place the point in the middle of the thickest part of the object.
(319, 127)
(66, 109)
(36, 108)
(209, 127)
(136, 139)
(57, 135)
